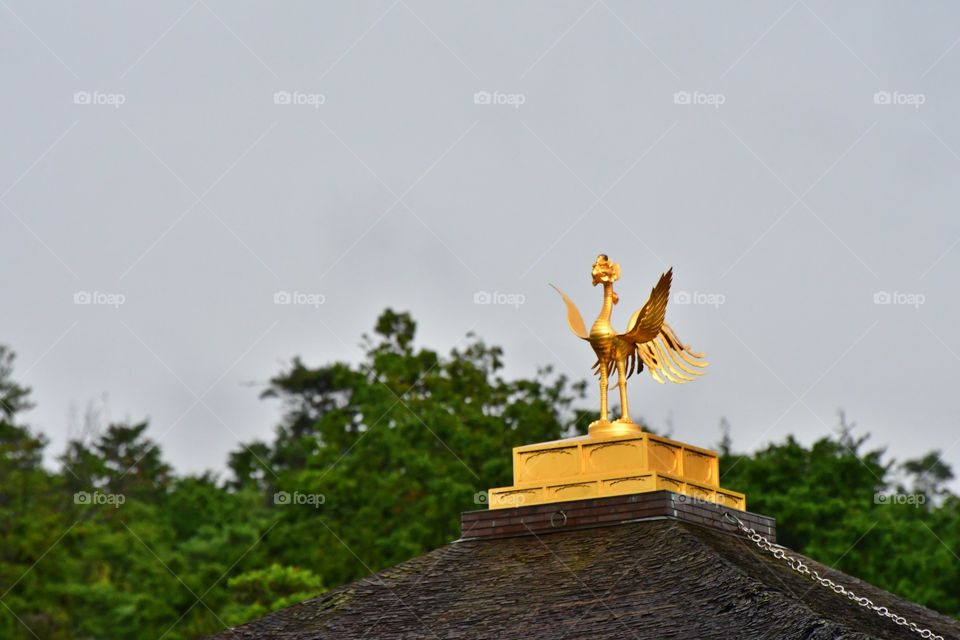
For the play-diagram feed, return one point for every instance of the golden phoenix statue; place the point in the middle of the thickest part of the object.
(648, 340)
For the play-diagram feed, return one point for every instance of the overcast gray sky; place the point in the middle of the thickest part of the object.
(178, 164)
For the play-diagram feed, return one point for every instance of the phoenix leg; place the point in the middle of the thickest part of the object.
(622, 383)
(603, 392)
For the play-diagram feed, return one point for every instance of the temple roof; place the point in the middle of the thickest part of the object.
(655, 577)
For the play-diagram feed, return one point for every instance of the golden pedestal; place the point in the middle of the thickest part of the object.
(610, 464)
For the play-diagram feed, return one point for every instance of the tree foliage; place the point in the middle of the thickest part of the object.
(372, 464)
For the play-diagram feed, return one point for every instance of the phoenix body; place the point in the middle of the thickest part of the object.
(648, 341)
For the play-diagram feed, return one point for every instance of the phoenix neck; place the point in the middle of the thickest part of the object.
(604, 317)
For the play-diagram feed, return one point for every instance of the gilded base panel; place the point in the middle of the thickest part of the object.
(608, 465)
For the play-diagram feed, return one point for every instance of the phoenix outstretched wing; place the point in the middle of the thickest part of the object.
(574, 319)
(646, 321)
(656, 344)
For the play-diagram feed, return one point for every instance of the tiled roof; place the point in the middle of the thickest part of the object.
(660, 577)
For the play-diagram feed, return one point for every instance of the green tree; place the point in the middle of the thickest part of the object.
(30, 519)
(261, 591)
(123, 461)
(928, 474)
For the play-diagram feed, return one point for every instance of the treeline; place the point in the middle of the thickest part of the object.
(372, 465)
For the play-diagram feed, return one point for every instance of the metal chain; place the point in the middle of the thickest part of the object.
(797, 565)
